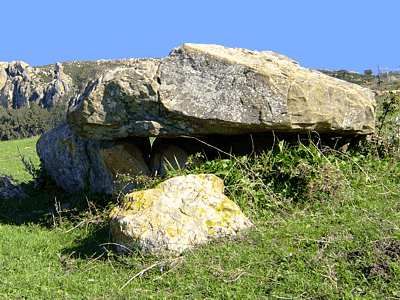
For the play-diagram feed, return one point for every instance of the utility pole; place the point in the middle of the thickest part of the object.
(387, 73)
(379, 75)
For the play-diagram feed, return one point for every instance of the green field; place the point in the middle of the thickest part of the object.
(10, 159)
(327, 227)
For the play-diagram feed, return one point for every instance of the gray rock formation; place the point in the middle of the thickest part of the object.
(196, 90)
(120, 96)
(21, 84)
(3, 75)
(208, 89)
(73, 161)
(179, 213)
(46, 85)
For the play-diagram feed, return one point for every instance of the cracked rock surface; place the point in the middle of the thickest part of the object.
(209, 89)
(73, 161)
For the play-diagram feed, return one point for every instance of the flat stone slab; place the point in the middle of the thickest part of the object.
(209, 89)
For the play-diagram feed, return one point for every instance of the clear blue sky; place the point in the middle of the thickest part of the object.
(354, 34)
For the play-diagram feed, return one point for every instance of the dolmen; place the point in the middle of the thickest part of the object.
(199, 96)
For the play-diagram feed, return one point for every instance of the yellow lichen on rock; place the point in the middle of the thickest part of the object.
(177, 214)
(217, 183)
(70, 145)
(202, 212)
(140, 200)
(172, 229)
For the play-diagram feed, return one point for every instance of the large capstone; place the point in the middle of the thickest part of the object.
(208, 89)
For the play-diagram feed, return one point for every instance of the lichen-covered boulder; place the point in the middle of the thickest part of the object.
(178, 214)
(73, 161)
(200, 89)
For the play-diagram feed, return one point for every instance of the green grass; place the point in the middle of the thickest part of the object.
(327, 227)
(341, 244)
(10, 160)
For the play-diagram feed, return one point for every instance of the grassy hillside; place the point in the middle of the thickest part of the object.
(327, 227)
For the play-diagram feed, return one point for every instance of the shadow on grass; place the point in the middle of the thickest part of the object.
(51, 207)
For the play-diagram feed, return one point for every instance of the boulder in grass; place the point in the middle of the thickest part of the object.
(178, 214)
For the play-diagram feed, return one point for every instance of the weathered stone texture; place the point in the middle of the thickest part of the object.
(73, 161)
(217, 93)
(178, 214)
(3, 75)
(46, 85)
(21, 84)
(122, 102)
(209, 89)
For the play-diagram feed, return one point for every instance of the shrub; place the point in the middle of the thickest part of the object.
(30, 121)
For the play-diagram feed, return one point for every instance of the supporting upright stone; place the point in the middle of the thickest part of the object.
(73, 161)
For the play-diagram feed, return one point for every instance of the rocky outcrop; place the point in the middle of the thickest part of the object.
(179, 213)
(47, 85)
(207, 89)
(120, 96)
(3, 75)
(233, 99)
(73, 161)
(21, 84)
(196, 90)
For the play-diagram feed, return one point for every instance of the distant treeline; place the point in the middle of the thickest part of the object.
(30, 121)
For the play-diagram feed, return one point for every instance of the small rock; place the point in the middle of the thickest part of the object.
(167, 156)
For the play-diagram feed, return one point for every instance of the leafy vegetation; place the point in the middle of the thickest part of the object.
(368, 72)
(326, 227)
(352, 77)
(10, 159)
(30, 121)
(377, 83)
